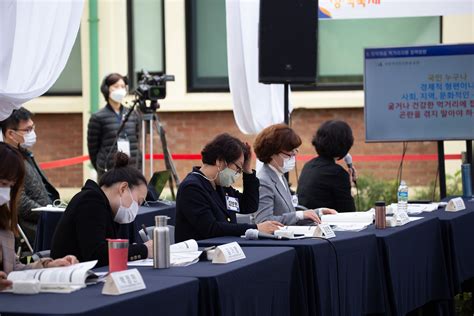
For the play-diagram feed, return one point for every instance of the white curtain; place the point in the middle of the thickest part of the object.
(36, 38)
(256, 105)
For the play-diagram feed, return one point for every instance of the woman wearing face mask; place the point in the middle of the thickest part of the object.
(12, 173)
(276, 146)
(94, 215)
(102, 140)
(206, 204)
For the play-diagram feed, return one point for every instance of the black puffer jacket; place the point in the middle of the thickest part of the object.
(101, 133)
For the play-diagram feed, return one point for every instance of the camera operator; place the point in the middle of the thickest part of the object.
(102, 139)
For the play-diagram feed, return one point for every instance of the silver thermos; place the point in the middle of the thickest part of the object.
(161, 243)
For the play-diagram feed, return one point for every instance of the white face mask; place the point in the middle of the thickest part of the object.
(118, 95)
(288, 164)
(124, 214)
(227, 177)
(30, 140)
(4, 195)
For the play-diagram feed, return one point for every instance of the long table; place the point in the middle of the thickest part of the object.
(353, 261)
(146, 215)
(457, 231)
(163, 296)
(413, 261)
(267, 282)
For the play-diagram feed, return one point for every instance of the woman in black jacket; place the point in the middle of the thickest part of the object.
(104, 125)
(94, 215)
(206, 204)
(324, 183)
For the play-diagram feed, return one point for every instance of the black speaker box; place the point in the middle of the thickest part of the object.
(287, 41)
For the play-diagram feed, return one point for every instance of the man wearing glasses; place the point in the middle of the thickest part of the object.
(19, 131)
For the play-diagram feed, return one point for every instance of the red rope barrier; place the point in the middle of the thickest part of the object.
(362, 158)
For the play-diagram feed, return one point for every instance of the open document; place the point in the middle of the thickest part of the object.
(59, 279)
(181, 254)
(415, 209)
(350, 221)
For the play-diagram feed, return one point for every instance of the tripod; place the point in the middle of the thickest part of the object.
(153, 120)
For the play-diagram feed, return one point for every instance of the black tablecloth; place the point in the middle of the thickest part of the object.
(146, 215)
(163, 296)
(458, 235)
(267, 282)
(413, 261)
(360, 285)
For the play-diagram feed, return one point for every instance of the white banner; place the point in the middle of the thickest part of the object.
(366, 9)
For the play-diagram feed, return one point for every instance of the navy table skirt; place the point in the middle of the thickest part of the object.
(267, 282)
(414, 264)
(359, 290)
(163, 296)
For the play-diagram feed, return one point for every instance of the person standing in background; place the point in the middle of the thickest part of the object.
(102, 140)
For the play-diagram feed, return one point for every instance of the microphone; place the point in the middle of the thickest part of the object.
(348, 161)
(254, 234)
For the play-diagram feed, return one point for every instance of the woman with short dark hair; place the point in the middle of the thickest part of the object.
(94, 215)
(322, 180)
(102, 138)
(206, 203)
(277, 146)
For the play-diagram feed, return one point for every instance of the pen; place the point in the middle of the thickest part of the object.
(144, 230)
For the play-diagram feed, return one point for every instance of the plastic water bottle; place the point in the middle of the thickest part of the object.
(402, 195)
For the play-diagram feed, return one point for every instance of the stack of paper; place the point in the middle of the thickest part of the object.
(181, 255)
(414, 209)
(350, 221)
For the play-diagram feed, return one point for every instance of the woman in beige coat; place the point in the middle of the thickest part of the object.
(12, 173)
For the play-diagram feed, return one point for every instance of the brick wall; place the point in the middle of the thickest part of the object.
(60, 136)
(188, 132)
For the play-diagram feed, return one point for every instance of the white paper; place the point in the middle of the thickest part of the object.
(177, 259)
(58, 279)
(184, 246)
(49, 208)
(414, 209)
(354, 227)
(365, 218)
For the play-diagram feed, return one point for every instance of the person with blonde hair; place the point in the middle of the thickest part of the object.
(277, 146)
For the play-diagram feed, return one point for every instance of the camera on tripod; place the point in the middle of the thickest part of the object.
(151, 87)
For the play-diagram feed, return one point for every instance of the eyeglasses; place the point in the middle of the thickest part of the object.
(28, 129)
(293, 153)
(239, 169)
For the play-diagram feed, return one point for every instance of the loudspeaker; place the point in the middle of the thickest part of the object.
(287, 41)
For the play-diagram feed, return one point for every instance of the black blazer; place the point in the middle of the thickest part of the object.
(85, 226)
(201, 211)
(324, 183)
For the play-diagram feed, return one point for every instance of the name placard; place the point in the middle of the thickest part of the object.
(324, 231)
(402, 218)
(228, 253)
(455, 205)
(122, 282)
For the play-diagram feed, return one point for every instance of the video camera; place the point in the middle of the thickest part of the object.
(151, 87)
